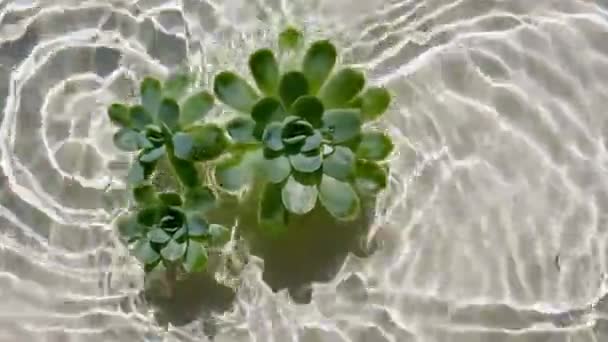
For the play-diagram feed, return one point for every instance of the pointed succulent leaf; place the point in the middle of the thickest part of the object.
(119, 115)
(127, 140)
(374, 146)
(180, 234)
(196, 257)
(309, 108)
(373, 103)
(177, 85)
(339, 198)
(199, 199)
(151, 215)
(197, 225)
(242, 130)
(342, 124)
(272, 137)
(144, 252)
(168, 113)
(290, 39)
(209, 141)
(234, 91)
(129, 228)
(140, 117)
(152, 155)
(170, 198)
(340, 164)
(173, 251)
(306, 162)
(195, 107)
(265, 70)
(370, 178)
(268, 110)
(276, 169)
(341, 88)
(145, 194)
(157, 235)
(151, 95)
(318, 63)
(272, 216)
(298, 198)
(293, 85)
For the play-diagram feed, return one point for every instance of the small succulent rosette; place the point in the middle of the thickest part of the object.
(306, 130)
(167, 124)
(169, 229)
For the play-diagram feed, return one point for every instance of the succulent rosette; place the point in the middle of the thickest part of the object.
(303, 131)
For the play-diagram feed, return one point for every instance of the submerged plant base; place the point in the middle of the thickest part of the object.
(297, 171)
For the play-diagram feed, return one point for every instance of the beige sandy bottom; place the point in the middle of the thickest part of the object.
(494, 227)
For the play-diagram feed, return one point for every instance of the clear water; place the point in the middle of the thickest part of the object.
(493, 230)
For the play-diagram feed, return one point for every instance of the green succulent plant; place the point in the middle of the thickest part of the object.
(162, 125)
(302, 131)
(168, 229)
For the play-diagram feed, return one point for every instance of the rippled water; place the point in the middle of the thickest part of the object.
(493, 230)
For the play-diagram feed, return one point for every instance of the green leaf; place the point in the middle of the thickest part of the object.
(158, 235)
(373, 103)
(198, 199)
(342, 124)
(339, 198)
(173, 251)
(170, 198)
(119, 114)
(209, 141)
(271, 213)
(185, 170)
(265, 70)
(306, 163)
(137, 173)
(374, 146)
(241, 130)
(128, 228)
(196, 257)
(296, 131)
(127, 140)
(370, 178)
(312, 142)
(298, 198)
(219, 234)
(140, 118)
(195, 107)
(268, 110)
(180, 234)
(151, 95)
(340, 164)
(341, 88)
(231, 173)
(168, 113)
(144, 252)
(144, 194)
(235, 92)
(197, 225)
(318, 63)
(309, 108)
(177, 85)
(183, 144)
(152, 155)
(290, 39)
(272, 136)
(277, 169)
(293, 85)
